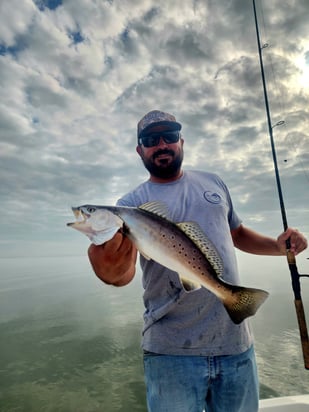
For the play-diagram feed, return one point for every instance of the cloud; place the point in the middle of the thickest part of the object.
(76, 76)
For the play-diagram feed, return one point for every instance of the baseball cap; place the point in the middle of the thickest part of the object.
(156, 118)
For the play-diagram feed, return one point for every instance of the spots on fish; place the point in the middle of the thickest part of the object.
(244, 299)
(195, 233)
(194, 257)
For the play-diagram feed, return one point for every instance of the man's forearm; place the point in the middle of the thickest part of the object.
(250, 241)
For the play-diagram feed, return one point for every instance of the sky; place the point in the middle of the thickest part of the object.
(77, 75)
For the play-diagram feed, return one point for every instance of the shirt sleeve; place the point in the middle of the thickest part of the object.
(233, 218)
(126, 200)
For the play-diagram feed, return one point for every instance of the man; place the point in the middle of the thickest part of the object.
(195, 357)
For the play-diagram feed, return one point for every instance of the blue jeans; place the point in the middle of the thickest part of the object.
(201, 383)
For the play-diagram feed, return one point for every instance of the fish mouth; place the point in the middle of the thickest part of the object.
(80, 216)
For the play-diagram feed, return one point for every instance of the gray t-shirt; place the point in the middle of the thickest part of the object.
(178, 322)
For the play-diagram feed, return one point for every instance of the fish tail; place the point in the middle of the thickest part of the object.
(243, 302)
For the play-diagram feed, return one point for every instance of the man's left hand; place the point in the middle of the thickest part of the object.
(298, 241)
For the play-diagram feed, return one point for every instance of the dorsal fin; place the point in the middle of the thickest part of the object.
(195, 233)
(158, 208)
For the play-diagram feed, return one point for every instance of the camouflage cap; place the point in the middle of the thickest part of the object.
(157, 118)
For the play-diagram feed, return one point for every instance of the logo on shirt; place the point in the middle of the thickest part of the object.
(212, 197)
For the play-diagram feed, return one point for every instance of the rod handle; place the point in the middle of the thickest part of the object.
(302, 330)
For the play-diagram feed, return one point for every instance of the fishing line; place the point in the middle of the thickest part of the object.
(281, 98)
(277, 91)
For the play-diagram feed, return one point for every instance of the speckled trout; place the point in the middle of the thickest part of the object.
(182, 247)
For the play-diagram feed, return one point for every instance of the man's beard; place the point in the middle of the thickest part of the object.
(166, 169)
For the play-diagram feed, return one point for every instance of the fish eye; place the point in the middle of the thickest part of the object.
(91, 209)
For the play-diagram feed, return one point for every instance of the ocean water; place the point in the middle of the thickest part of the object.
(68, 343)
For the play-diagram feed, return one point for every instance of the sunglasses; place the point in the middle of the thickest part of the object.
(153, 139)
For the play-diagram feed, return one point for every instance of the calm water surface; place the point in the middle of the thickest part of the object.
(70, 344)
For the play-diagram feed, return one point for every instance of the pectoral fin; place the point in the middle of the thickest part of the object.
(188, 284)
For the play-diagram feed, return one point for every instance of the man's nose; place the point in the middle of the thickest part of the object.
(162, 142)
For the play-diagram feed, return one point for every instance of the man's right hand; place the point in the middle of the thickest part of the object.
(114, 261)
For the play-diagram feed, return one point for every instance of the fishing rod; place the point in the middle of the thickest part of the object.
(295, 276)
